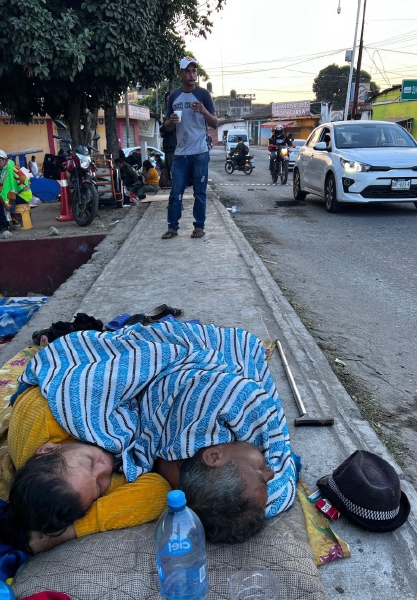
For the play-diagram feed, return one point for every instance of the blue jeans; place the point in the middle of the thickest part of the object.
(238, 160)
(194, 167)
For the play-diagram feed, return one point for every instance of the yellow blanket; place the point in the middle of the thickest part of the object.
(8, 385)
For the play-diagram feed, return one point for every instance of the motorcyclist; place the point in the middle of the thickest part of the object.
(278, 138)
(238, 153)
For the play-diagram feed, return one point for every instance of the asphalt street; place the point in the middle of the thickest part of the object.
(352, 278)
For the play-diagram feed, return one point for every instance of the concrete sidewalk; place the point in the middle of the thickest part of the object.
(220, 279)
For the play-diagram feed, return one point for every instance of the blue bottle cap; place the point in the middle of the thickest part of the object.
(176, 499)
(6, 592)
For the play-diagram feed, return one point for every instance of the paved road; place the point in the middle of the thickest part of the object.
(353, 278)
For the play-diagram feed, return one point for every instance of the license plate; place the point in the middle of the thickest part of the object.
(400, 184)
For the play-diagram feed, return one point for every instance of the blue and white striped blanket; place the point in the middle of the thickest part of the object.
(167, 391)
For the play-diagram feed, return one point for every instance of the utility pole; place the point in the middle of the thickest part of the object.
(345, 116)
(358, 69)
(127, 118)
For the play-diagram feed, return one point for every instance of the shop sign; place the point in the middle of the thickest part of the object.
(336, 115)
(12, 121)
(409, 89)
(291, 109)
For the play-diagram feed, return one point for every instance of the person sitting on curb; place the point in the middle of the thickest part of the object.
(130, 179)
(14, 187)
(210, 422)
(150, 178)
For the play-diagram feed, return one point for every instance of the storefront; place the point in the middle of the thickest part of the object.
(39, 132)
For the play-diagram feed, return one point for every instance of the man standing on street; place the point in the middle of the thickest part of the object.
(190, 109)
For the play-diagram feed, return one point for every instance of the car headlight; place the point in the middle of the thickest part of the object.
(353, 166)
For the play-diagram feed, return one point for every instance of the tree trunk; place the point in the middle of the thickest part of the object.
(112, 138)
(89, 120)
(74, 119)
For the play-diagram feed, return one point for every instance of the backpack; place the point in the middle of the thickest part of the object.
(245, 149)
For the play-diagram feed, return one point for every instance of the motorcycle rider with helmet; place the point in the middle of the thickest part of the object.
(278, 138)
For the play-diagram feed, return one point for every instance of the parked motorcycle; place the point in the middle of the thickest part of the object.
(246, 165)
(280, 164)
(84, 195)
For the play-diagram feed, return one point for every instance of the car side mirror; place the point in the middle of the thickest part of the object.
(320, 146)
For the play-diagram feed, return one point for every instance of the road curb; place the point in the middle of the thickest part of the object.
(313, 374)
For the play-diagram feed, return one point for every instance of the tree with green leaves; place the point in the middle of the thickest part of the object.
(68, 58)
(331, 83)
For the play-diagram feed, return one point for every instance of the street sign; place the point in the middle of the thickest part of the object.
(364, 89)
(409, 89)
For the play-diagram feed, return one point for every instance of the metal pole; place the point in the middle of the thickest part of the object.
(358, 68)
(127, 119)
(345, 116)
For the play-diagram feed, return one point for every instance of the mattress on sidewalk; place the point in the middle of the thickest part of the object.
(120, 565)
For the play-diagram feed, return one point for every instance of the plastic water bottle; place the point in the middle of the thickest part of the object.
(6, 592)
(180, 548)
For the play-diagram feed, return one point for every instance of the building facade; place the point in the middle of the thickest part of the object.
(387, 106)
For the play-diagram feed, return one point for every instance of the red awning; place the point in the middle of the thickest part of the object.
(272, 124)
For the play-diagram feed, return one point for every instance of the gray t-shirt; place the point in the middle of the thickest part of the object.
(192, 130)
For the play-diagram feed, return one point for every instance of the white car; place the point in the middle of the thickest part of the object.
(357, 161)
(294, 149)
(152, 153)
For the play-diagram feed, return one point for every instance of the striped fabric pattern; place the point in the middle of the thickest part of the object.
(167, 391)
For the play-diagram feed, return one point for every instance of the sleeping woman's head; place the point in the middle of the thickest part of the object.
(54, 488)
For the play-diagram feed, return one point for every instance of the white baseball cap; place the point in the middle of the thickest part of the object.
(187, 60)
(3, 154)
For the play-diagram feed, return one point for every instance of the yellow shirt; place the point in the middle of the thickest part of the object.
(154, 177)
(123, 505)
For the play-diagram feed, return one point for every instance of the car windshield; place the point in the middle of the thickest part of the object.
(378, 135)
(233, 138)
(299, 143)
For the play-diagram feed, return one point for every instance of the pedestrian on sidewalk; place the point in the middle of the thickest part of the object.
(190, 109)
(169, 143)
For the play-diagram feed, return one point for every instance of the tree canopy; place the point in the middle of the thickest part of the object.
(155, 99)
(69, 57)
(331, 83)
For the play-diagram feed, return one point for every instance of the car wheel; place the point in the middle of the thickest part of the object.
(298, 194)
(330, 200)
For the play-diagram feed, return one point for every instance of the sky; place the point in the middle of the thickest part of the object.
(275, 48)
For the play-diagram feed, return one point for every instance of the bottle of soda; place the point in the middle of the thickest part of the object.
(180, 548)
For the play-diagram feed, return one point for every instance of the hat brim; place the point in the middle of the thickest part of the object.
(367, 524)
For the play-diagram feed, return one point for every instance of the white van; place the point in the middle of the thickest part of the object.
(231, 138)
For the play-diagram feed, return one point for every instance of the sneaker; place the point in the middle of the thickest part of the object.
(5, 227)
(142, 196)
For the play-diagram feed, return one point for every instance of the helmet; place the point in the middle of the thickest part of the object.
(3, 154)
(279, 131)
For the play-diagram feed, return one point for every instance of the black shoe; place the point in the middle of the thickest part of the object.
(142, 196)
(162, 311)
(5, 227)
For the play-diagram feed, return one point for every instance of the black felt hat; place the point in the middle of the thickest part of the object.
(366, 490)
